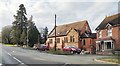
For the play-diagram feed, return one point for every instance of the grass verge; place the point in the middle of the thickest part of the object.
(9, 44)
(111, 59)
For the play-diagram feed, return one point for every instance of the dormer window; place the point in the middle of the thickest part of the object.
(109, 31)
(100, 34)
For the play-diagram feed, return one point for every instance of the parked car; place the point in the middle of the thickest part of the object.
(72, 49)
(41, 47)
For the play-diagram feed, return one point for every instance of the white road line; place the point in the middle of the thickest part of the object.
(15, 58)
(18, 60)
(9, 54)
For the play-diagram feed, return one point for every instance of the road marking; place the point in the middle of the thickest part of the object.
(15, 58)
(9, 54)
(18, 60)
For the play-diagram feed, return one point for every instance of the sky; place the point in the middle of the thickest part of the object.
(68, 11)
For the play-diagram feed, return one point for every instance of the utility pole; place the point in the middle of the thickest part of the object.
(55, 33)
(38, 38)
(27, 35)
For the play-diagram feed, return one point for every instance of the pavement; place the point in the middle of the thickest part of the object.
(18, 56)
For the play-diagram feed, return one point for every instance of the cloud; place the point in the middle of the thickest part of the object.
(67, 11)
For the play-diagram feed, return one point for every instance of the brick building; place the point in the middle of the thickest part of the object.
(108, 35)
(75, 34)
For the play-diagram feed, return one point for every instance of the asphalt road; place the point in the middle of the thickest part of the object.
(25, 57)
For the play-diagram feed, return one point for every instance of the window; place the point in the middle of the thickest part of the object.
(72, 39)
(100, 34)
(50, 41)
(109, 31)
(83, 42)
(58, 40)
(86, 28)
(66, 39)
(109, 45)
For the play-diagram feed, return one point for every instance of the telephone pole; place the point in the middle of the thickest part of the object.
(55, 33)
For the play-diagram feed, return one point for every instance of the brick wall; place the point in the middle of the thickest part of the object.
(115, 35)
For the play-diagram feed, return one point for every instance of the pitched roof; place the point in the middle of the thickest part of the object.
(64, 29)
(112, 20)
(89, 35)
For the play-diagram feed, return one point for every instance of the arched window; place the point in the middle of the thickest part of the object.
(83, 42)
(72, 39)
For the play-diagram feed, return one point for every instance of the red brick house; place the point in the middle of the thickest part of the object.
(108, 35)
(76, 34)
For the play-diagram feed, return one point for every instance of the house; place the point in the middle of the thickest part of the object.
(74, 34)
(108, 35)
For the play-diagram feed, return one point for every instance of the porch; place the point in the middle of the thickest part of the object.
(104, 46)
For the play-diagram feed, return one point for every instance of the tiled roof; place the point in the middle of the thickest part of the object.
(112, 20)
(89, 35)
(64, 29)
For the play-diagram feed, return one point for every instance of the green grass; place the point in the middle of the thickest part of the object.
(111, 59)
(9, 44)
(59, 52)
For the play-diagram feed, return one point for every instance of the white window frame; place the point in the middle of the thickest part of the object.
(105, 45)
(109, 31)
(100, 34)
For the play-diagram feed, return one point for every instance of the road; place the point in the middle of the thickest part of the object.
(17, 55)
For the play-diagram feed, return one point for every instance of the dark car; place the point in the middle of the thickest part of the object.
(72, 49)
(42, 47)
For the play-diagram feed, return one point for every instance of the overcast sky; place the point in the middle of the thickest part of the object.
(68, 11)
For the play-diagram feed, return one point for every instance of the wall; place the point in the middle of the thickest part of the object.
(115, 35)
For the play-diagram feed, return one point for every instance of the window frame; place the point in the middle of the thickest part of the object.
(83, 42)
(58, 40)
(72, 39)
(110, 45)
(100, 34)
(109, 31)
(65, 39)
(50, 40)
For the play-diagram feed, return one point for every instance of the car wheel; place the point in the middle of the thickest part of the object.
(36, 48)
(72, 52)
(78, 52)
